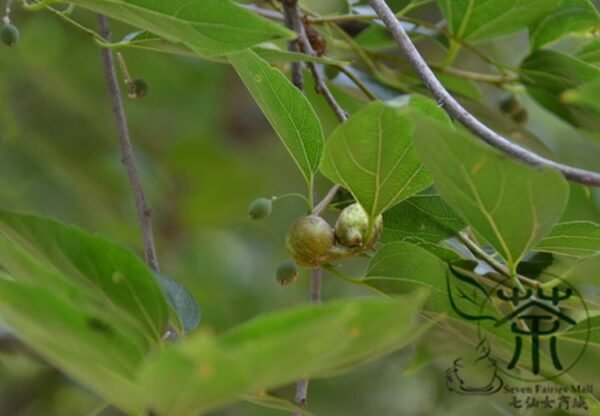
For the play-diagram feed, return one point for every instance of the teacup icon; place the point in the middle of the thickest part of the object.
(475, 375)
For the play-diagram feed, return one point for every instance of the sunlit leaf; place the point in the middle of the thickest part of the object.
(490, 191)
(286, 108)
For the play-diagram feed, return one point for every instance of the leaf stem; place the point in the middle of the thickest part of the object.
(497, 266)
(476, 76)
(457, 111)
(356, 81)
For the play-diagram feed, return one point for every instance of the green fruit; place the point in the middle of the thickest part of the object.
(138, 88)
(510, 105)
(260, 208)
(287, 272)
(351, 227)
(9, 34)
(310, 240)
(521, 116)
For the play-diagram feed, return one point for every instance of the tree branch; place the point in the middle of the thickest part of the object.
(112, 83)
(291, 17)
(307, 48)
(454, 109)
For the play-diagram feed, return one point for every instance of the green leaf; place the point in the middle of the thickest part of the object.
(113, 273)
(572, 16)
(578, 239)
(286, 108)
(272, 401)
(475, 20)
(182, 300)
(425, 216)
(489, 190)
(547, 75)
(372, 155)
(206, 372)
(587, 330)
(332, 7)
(207, 27)
(401, 268)
(97, 351)
(268, 51)
(590, 52)
(585, 95)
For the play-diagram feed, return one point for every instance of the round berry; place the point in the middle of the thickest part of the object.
(287, 272)
(509, 104)
(260, 208)
(9, 34)
(520, 116)
(138, 88)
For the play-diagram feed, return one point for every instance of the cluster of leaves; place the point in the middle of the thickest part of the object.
(95, 311)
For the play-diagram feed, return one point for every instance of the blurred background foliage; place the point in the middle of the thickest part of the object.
(205, 152)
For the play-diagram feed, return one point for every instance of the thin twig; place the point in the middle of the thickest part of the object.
(315, 297)
(476, 76)
(356, 81)
(289, 7)
(112, 83)
(327, 200)
(454, 109)
(320, 84)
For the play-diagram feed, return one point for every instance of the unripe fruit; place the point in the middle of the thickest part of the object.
(310, 240)
(287, 272)
(352, 225)
(510, 105)
(260, 208)
(521, 116)
(9, 34)
(138, 88)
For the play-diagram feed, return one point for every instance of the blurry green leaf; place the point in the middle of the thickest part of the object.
(579, 239)
(474, 20)
(269, 52)
(504, 124)
(489, 190)
(587, 330)
(279, 56)
(585, 95)
(286, 108)
(440, 250)
(331, 7)
(425, 216)
(372, 155)
(464, 87)
(272, 401)
(590, 52)
(571, 16)
(92, 262)
(98, 352)
(206, 372)
(548, 74)
(207, 27)
(400, 268)
(182, 300)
